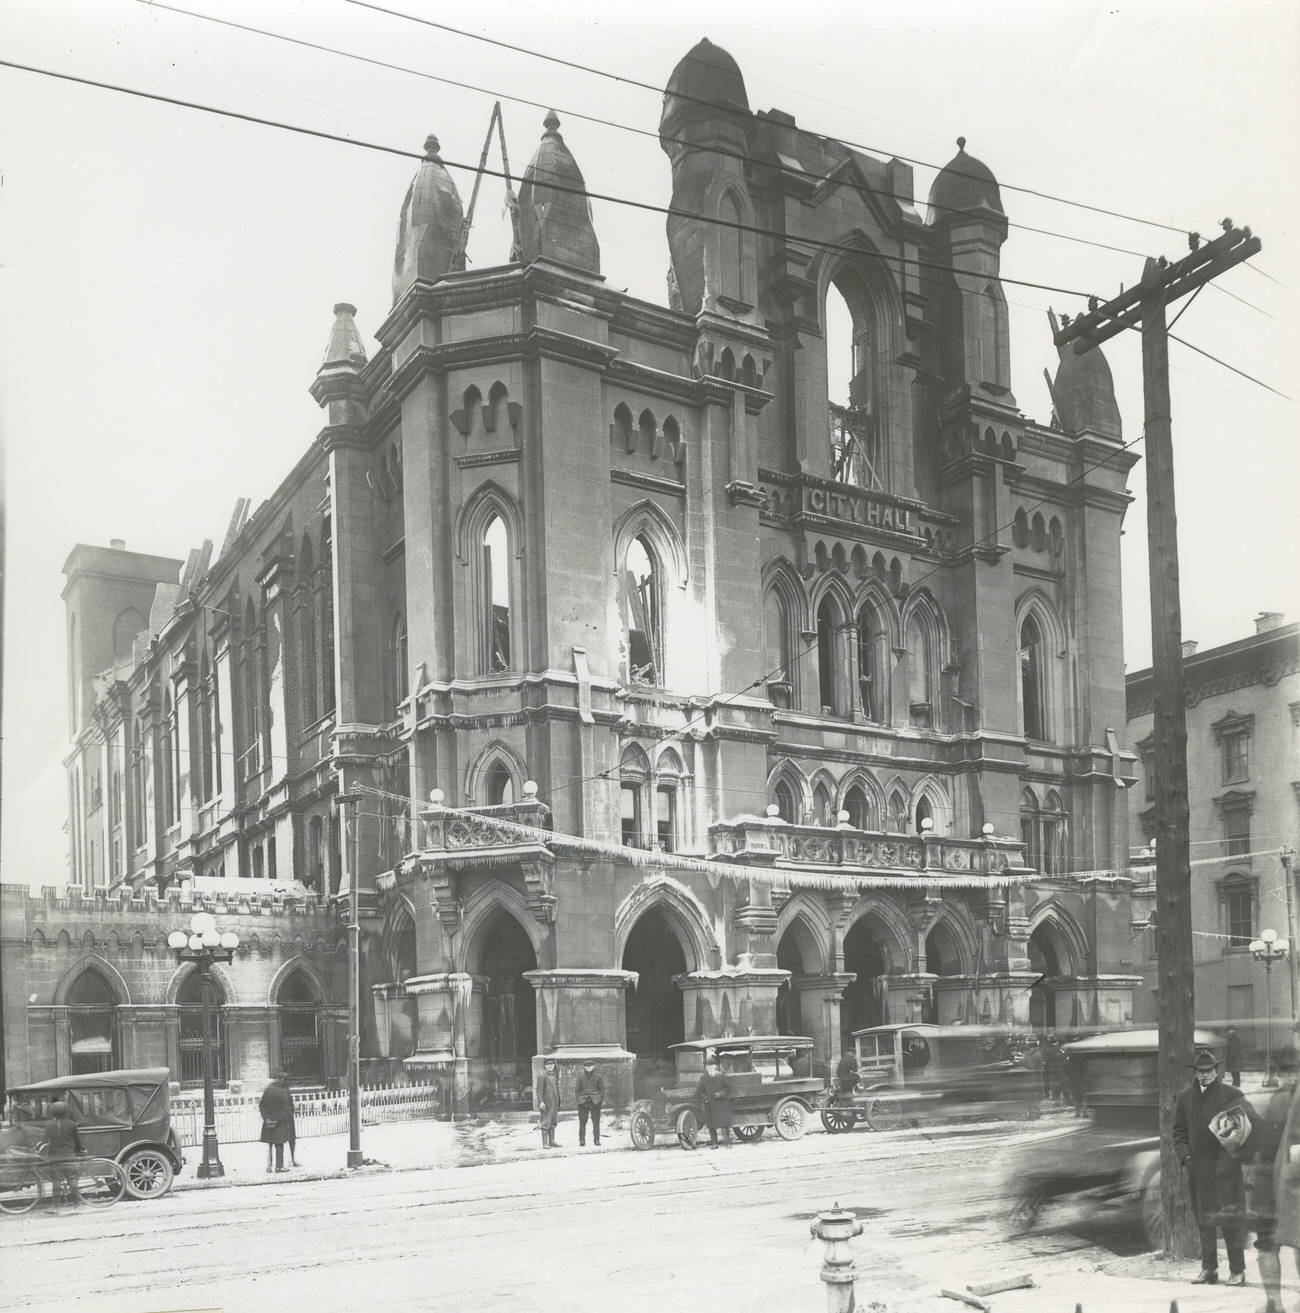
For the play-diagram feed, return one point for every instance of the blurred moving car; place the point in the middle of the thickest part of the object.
(122, 1115)
(922, 1072)
(1113, 1157)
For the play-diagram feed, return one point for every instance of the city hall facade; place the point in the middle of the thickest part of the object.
(741, 663)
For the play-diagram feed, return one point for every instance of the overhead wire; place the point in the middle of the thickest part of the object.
(714, 148)
(809, 243)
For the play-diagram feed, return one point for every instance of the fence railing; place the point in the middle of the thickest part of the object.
(238, 1118)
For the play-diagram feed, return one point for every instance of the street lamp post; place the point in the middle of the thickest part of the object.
(203, 945)
(1268, 948)
(355, 1157)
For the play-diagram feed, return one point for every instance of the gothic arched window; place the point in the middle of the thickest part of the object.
(643, 613)
(1033, 701)
(873, 665)
(495, 601)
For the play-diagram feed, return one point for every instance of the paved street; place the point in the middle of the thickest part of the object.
(632, 1231)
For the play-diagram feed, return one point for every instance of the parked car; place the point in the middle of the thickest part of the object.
(122, 1115)
(1114, 1156)
(772, 1084)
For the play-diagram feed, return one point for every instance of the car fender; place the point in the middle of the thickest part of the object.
(1141, 1171)
(173, 1155)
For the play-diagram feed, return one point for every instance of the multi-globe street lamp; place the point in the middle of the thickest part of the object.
(203, 944)
(1268, 948)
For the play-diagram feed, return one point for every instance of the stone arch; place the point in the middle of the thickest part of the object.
(735, 245)
(480, 907)
(298, 962)
(684, 914)
(92, 962)
(496, 752)
(487, 500)
(649, 520)
(1053, 670)
(220, 974)
(825, 797)
(962, 934)
(399, 920)
(874, 794)
(897, 936)
(806, 917)
(1065, 936)
(788, 774)
(936, 795)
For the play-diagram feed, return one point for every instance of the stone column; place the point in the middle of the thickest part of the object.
(447, 1030)
(907, 994)
(737, 1000)
(581, 1015)
(819, 1010)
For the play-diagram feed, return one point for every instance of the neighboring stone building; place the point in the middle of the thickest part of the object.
(1243, 792)
(722, 578)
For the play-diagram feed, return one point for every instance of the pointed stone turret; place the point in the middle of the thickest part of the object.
(554, 212)
(338, 385)
(1083, 392)
(429, 231)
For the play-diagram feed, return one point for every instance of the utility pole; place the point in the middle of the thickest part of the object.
(355, 1157)
(1145, 305)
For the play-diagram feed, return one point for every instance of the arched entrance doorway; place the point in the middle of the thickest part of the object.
(789, 1013)
(655, 1017)
(302, 1054)
(1045, 963)
(93, 1024)
(509, 1035)
(865, 1000)
(942, 958)
(189, 1001)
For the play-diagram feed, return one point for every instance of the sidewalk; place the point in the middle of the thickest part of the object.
(402, 1146)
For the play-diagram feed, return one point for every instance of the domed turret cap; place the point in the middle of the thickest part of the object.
(554, 212)
(706, 84)
(1084, 394)
(429, 230)
(963, 184)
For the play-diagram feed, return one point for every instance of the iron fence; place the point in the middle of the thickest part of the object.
(314, 1112)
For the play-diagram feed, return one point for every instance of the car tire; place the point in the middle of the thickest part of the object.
(838, 1120)
(688, 1128)
(642, 1130)
(748, 1133)
(790, 1119)
(148, 1173)
(884, 1112)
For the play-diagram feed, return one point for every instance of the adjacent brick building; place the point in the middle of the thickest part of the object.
(1243, 793)
(777, 572)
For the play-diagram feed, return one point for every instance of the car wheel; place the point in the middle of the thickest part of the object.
(1153, 1213)
(148, 1173)
(642, 1130)
(838, 1120)
(748, 1133)
(20, 1189)
(688, 1128)
(790, 1119)
(884, 1112)
(1025, 1211)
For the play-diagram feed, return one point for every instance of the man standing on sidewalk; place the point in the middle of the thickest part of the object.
(714, 1094)
(1213, 1175)
(590, 1090)
(548, 1103)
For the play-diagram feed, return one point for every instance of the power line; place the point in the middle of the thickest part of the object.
(714, 149)
(810, 243)
(715, 105)
(1200, 351)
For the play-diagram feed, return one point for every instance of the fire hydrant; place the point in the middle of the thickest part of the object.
(835, 1229)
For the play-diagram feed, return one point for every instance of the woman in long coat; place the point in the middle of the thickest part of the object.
(548, 1103)
(278, 1129)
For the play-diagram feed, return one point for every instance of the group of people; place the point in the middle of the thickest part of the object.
(1236, 1160)
(588, 1092)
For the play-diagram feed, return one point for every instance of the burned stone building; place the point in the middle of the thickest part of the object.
(744, 662)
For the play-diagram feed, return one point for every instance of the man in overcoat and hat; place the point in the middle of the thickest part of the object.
(1214, 1179)
(548, 1102)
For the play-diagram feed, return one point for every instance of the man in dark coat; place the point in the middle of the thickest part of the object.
(278, 1129)
(1054, 1060)
(1261, 1153)
(714, 1094)
(846, 1074)
(1214, 1178)
(548, 1103)
(590, 1093)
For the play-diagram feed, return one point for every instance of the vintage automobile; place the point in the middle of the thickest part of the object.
(919, 1071)
(122, 1115)
(772, 1084)
(1112, 1158)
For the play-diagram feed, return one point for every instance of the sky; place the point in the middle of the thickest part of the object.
(167, 276)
